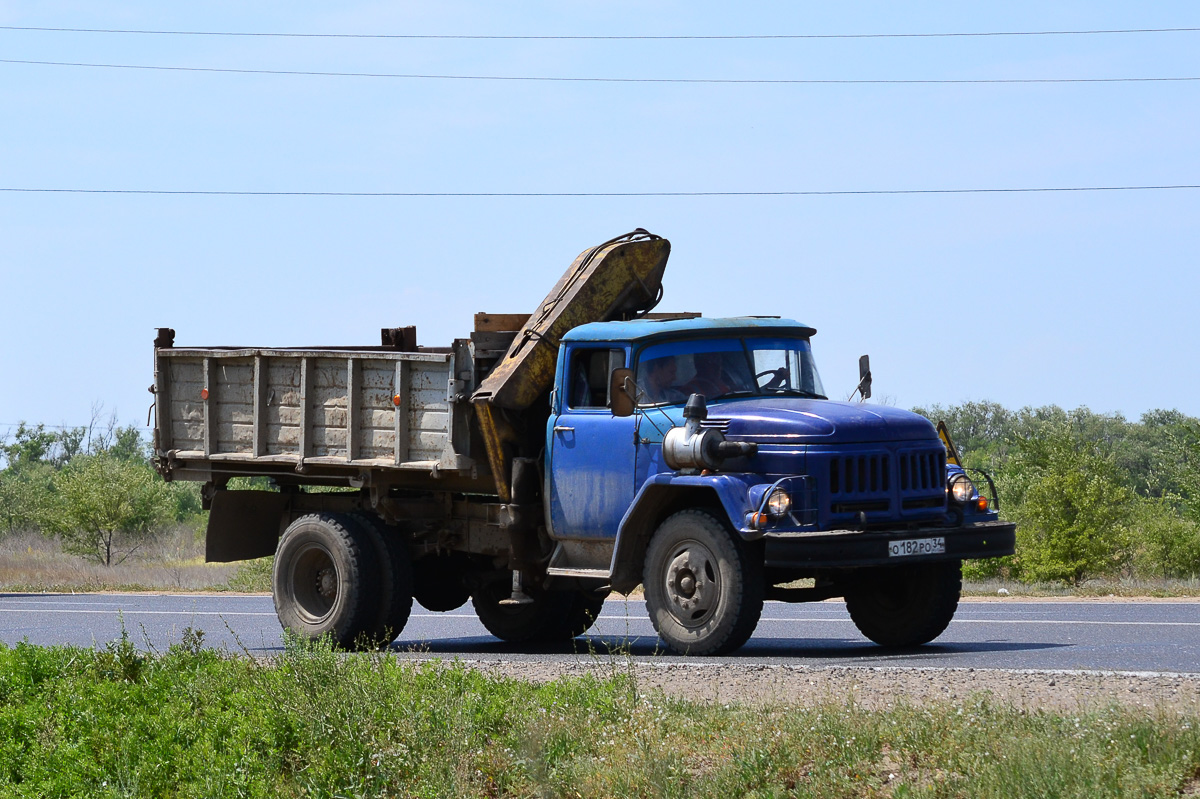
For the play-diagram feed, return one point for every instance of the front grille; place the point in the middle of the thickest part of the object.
(884, 483)
(860, 474)
(859, 507)
(922, 471)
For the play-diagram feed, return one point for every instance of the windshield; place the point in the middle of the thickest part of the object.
(670, 372)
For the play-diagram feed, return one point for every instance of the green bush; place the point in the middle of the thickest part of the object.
(253, 575)
(1162, 543)
(1070, 507)
(24, 494)
(1092, 494)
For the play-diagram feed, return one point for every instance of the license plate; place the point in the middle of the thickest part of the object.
(916, 546)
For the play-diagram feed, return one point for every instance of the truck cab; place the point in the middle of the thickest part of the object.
(725, 472)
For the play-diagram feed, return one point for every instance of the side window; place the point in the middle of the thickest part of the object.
(589, 374)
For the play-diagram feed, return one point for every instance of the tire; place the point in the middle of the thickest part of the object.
(438, 583)
(547, 618)
(704, 585)
(395, 582)
(584, 610)
(325, 582)
(903, 606)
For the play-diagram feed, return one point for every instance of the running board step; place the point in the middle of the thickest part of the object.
(585, 574)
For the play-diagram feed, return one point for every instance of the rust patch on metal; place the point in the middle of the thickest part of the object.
(618, 279)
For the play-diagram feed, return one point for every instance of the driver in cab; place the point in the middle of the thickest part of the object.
(658, 381)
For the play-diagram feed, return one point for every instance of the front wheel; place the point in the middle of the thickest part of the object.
(704, 585)
(902, 606)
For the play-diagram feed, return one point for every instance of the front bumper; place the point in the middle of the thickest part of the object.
(850, 548)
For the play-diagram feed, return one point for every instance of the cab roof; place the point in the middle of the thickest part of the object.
(640, 329)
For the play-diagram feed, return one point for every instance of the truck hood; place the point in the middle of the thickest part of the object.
(792, 420)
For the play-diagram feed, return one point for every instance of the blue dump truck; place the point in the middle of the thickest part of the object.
(552, 458)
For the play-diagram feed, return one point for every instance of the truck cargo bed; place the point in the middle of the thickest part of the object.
(300, 408)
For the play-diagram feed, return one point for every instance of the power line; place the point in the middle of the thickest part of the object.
(413, 76)
(733, 37)
(809, 193)
(32, 426)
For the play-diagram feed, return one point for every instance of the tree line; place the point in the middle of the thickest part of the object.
(1093, 494)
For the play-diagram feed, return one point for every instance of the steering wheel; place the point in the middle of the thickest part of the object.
(779, 377)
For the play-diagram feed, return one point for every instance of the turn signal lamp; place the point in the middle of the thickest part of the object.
(204, 393)
(982, 504)
(396, 400)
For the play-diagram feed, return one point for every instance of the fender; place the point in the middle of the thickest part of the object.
(663, 494)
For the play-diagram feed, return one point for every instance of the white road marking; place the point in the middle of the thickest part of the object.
(1039, 621)
(471, 617)
(140, 612)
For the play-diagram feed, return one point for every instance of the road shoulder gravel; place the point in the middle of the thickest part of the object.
(882, 687)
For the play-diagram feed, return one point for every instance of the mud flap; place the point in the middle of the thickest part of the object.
(243, 525)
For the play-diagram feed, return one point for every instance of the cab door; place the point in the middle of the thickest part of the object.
(590, 454)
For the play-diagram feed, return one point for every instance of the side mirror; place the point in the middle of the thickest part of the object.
(864, 376)
(620, 392)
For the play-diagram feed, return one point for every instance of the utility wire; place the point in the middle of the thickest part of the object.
(813, 193)
(603, 38)
(409, 76)
(33, 426)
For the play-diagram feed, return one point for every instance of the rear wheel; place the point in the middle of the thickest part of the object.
(585, 607)
(704, 585)
(395, 590)
(438, 583)
(552, 616)
(903, 606)
(324, 580)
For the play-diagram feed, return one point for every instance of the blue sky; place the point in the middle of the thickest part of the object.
(1025, 299)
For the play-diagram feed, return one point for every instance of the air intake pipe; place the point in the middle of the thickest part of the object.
(691, 448)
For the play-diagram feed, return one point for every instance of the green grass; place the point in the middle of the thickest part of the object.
(193, 722)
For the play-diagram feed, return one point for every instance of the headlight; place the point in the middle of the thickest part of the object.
(961, 488)
(779, 502)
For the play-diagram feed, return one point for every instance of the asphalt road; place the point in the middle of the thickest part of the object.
(1008, 634)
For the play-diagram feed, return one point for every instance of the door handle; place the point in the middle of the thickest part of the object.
(560, 429)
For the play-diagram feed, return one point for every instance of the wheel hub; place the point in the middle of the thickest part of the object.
(315, 579)
(692, 583)
(327, 583)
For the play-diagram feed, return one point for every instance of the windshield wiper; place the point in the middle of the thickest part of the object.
(799, 392)
(763, 392)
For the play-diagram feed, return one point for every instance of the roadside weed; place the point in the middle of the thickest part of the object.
(192, 722)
